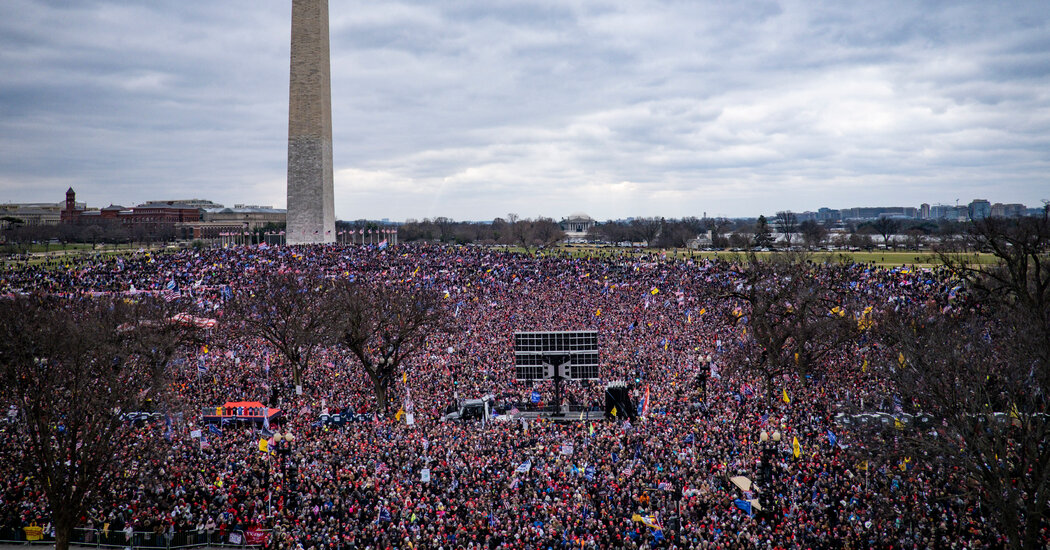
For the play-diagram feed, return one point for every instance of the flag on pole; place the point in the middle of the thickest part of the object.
(645, 404)
(264, 446)
(648, 521)
(796, 449)
(785, 397)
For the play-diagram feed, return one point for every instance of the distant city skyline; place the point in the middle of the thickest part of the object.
(972, 209)
(472, 110)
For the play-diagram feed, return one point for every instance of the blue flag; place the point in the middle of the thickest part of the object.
(535, 397)
(743, 505)
(831, 438)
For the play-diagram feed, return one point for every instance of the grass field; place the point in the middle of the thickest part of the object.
(73, 251)
(879, 258)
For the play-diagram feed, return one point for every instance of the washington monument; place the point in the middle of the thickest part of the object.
(311, 203)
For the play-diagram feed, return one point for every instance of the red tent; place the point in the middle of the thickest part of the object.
(244, 404)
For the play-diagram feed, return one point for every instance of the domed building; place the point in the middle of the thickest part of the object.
(577, 225)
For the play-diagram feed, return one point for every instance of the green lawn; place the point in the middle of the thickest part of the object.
(880, 258)
(73, 251)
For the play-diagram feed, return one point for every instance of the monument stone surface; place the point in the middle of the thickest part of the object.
(311, 201)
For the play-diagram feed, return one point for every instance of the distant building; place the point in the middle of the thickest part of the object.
(577, 225)
(34, 213)
(949, 212)
(806, 216)
(72, 210)
(828, 215)
(924, 211)
(152, 212)
(186, 203)
(240, 218)
(979, 209)
(1013, 210)
(165, 212)
(876, 212)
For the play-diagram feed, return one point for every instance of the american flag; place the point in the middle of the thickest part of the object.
(171, 290)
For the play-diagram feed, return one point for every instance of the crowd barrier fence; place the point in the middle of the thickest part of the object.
(137, 540)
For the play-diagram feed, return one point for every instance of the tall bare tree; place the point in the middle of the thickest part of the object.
(978, 360)
(794, 313)
(646, 229)
(285, 311)
(71, 370)
(886, 227)
(787, 225)
(383, 326)
(813, 233)
(546, 232)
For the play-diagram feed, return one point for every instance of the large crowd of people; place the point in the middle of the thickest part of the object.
(666, 326)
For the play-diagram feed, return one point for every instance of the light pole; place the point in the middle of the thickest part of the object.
(766, 469)
(283, 448)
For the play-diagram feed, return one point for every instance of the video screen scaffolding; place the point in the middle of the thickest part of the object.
(557, 356)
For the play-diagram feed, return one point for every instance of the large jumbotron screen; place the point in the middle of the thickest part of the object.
(534, 350)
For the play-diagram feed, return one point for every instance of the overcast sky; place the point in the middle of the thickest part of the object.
(473, 109)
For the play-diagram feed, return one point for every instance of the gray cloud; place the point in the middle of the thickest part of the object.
(473, 109)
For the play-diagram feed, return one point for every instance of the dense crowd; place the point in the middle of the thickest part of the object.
(666, 326)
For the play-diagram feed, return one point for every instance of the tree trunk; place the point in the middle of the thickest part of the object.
(769, 391)
(381, 398)
(63, 532)
(297, 374)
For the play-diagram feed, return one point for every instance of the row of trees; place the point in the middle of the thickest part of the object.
(976, 359)
(512, 230)
(785, 231)
(540, 232)
(18, 237)
(981, 365)
(380, 325)
(73, 368)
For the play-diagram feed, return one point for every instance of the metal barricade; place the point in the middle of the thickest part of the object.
(84, 537)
